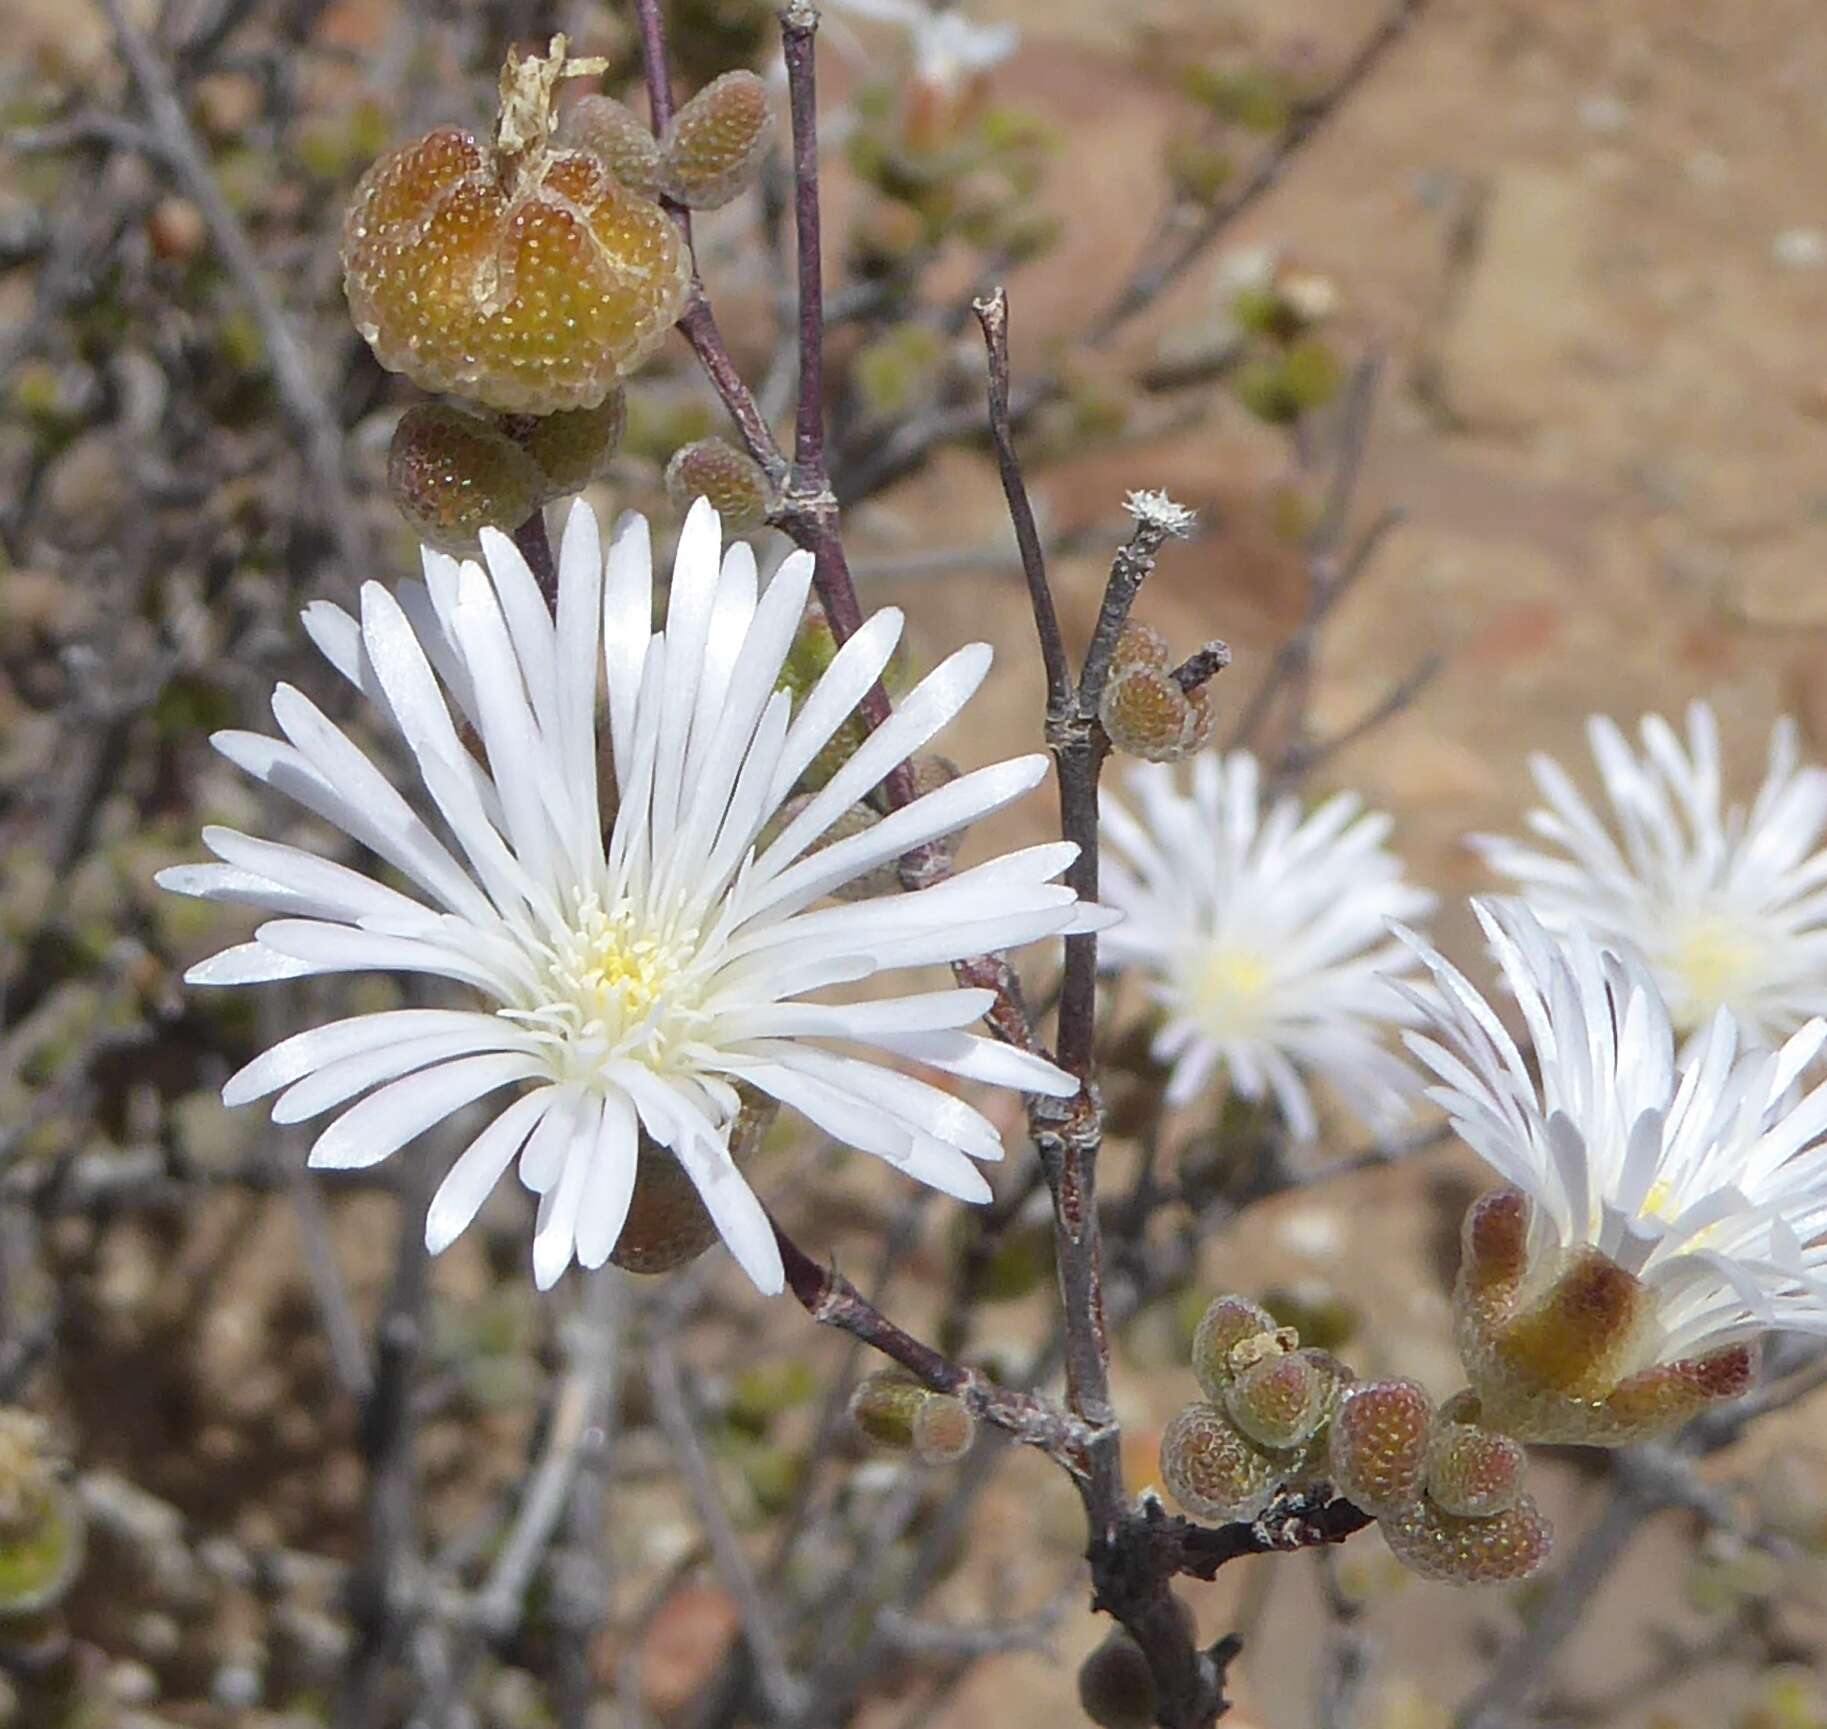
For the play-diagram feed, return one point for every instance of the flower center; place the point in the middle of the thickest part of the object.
(1228, 988)
(613, 984)
(1714, 959)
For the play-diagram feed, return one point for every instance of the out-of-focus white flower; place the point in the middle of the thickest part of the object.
(632, 983)
(948, 48)
(1728, 906)
(1700, 1173)
(1263, 934)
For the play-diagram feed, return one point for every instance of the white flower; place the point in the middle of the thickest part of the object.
(947, 47)
(1699, 1173)
(1727, 906)
(1264, 935)
(634, 982)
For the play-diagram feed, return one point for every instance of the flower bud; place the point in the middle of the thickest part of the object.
(518, 271)
(1499, 1550)
(1379, 1445)
(1148, 715)
(1211, 1469)
(1279, 1401)
(667, 1223)
(1140, 645)
(1473, 1473)
(943, 1429)
(452, 475)
(1116, 1688)
(1656, 1400)
(1227, 1322)
(731, 479)
(616, 137)
(570, 449)
(714, 144)
(883, 1408)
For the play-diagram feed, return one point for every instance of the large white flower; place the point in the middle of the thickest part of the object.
(1700, 1173)
(1264, 935)
(637, 981)
(1727, 905)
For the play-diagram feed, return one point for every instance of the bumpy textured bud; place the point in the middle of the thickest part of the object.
(451, 475)
(943, 1429)
(1148, 715)
(1116, 1688)
(1211, 1469)
(1140, 645)
(614, 134)
(1379, 1445)
(518, 272)
(1577, 1338)
(1228, 1321)
(714, 144)
(884, 1405)
(41, 1525)
(1473, 1473)
(731, 479)
(1279, 1401)
(572, 449)
(667, 1223)
(1655, 1400)
(1496, 1551)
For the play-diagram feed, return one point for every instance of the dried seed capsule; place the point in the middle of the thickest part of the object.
(1226, 1323)
(1148, 715)
(731, 479)
(1379, 1445)
(1496, 1551)
(1473, 1473)
(1281, 1400)
(571, 449)
(1116, 1688)
(943, 1429)
(714, 144)
(452, 475)
(1211, 1469)
(614, 134)
(517, 272)
(884, 1407)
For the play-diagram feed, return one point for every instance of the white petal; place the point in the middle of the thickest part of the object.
(385, 1121)
(472, 1179)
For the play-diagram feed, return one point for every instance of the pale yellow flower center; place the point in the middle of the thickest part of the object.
(1227, 989)
(1713, 959)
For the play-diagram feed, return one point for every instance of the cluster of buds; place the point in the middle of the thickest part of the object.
(1145, 709)
(452, 474)
(1561, 1346)
(899, 1413)
(1445, 1490)
(710, 152)
(519, 271)
(1264, 1421)
(1274, 309)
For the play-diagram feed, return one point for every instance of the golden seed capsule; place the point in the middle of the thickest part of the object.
(1279, 1401)
(1148, 715)
(571, 448)
(617, 137)
(1496, 1551)
(518, 272)
(1227, 1322)
(731, 479)
(1473, 1473)
(451, 475)
(714, 144)
(1379, 1444)
(1211, 1469)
